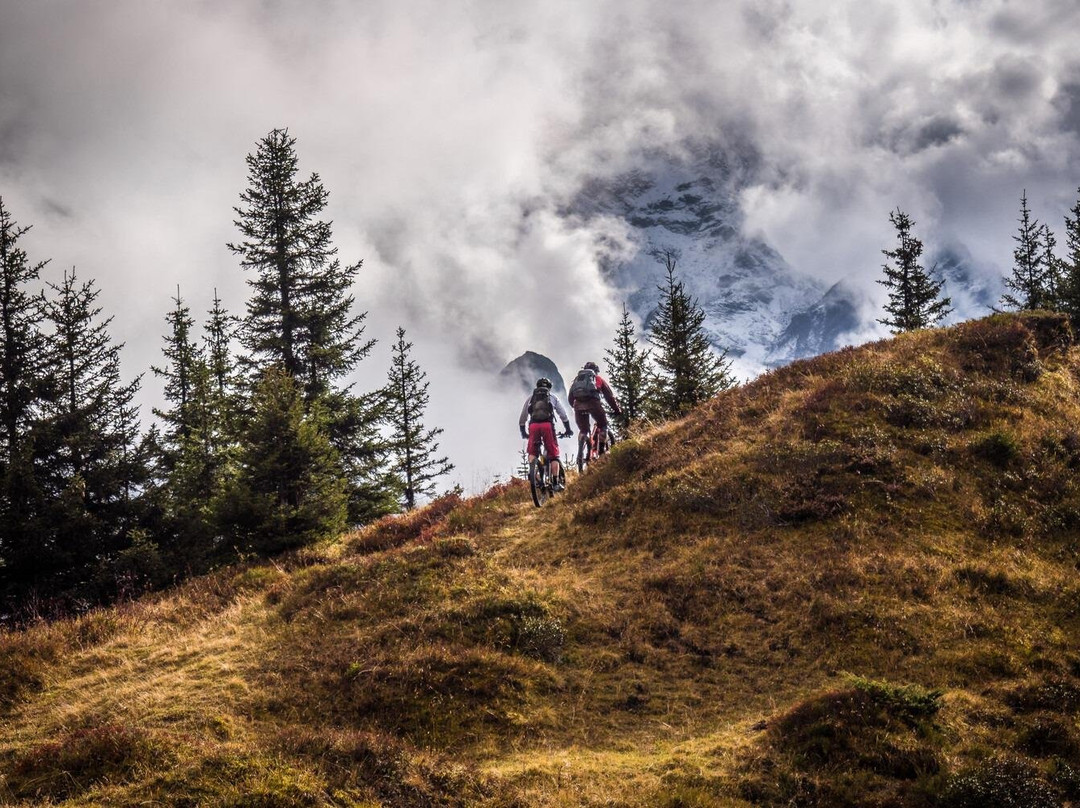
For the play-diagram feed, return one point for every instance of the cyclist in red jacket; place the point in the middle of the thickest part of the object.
(587, 394)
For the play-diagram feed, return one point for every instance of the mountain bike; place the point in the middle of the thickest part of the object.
(540, 482)
(593, 445)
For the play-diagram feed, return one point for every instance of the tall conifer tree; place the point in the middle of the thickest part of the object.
(299, 315)
(90, 463)
(915, 299)
(628, 372)
(414, 445)
(193, 447)
(1070, 266)
(23, 384)
(288, 490)
(1051, 267)
(1028, 282)
(688, 369)
(218, 336)
(182, 354)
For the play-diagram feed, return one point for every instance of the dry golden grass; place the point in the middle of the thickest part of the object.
(852, 582)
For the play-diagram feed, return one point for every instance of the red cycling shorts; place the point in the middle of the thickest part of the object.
(546, 431)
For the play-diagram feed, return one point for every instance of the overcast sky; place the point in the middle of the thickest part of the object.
(449, 134)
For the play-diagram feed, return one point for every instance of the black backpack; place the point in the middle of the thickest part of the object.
(584, 386)
(540, 409)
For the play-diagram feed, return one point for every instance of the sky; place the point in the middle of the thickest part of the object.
(451, 135)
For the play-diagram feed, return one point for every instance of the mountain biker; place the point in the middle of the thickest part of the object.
(585, 397)
(540, 410)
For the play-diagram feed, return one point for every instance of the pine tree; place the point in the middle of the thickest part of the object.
(915, 299)
(288, 490)
(1028, 281)
(218, 335)
(223, 376)
(628, 373)
(23, 384)
(327, 319)
(1051, 267)
(1069, 297)
(192, 449)
(89, 463)
(413, 444)
(688, 370)
(352, 422)
(299, 314)
(183, 354)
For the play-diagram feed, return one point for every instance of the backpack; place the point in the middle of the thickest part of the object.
(584, 387)
(540, 408)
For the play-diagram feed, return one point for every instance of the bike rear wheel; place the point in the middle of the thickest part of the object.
(538, 482)
(600, 441)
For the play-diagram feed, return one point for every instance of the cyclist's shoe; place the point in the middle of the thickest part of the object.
(557, 487)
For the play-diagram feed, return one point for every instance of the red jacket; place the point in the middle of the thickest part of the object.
(605, 391)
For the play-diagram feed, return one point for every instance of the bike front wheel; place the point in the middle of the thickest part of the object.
(538, 482)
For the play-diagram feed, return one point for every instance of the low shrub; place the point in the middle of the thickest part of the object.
(520, 624)
(82, 758)
(396, 530)
(384, 769)
(1065, 776)
(910, 703)
(438, 695)
(20, 672)
(1053, 694)
(1004, 782)
(1001, 344)
(999, 447)
(986, 581)
(861, 727)
(1049, 736)
(871, 744)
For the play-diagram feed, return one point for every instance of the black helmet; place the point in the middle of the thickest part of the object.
(544, 382)
(595, 368)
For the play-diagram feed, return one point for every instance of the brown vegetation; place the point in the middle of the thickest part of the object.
(851, 582)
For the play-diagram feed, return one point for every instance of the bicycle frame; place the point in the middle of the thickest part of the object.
(540, 483)
(596, 444)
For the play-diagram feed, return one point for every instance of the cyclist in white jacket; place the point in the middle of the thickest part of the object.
(540, 410)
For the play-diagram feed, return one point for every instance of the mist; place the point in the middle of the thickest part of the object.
(451, 137)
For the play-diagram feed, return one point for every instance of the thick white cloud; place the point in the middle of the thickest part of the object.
(450, 135)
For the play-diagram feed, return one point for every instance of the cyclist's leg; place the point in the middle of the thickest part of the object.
(598, 414)
(551, 444)
(533, 448)
(581, 420)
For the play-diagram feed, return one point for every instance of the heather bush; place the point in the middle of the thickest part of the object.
(82, 758)
(396, 530)
(999, 447)
(1003, 783)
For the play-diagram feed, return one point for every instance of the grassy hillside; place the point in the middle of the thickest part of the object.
(852, 582)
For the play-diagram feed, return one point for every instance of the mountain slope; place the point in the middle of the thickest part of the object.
(690, 205)
(852, 582)
(521, 373)
(764, 311)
